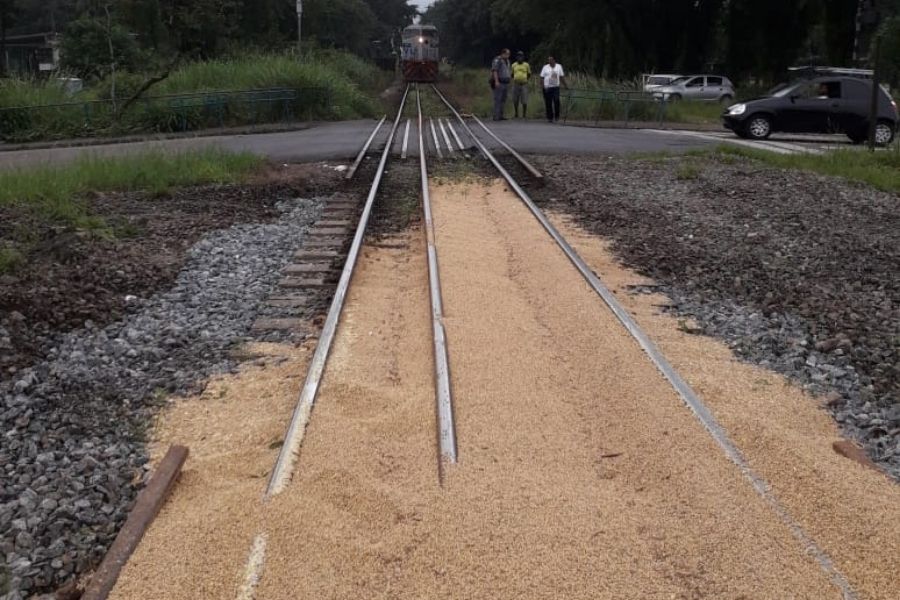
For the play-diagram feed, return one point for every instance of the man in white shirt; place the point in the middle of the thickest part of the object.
(552, 76)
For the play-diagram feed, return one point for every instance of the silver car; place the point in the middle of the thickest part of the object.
(711, 88)
(654, 81)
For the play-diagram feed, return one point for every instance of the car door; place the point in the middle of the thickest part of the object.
(852, 110)
(807, 110)
(693, 88)
(714, 88)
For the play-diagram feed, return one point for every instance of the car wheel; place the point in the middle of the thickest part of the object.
(726, 99)
(884, 133)
(758, 127)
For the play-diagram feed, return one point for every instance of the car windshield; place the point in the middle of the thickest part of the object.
(678, 80)
(787, 90)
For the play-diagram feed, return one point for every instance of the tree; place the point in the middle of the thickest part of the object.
(86, 48)
(9, 10)
(346, 24)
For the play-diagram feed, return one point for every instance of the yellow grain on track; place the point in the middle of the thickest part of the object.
(581, 473)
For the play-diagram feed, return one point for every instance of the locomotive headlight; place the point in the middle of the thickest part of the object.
(421, 40)
(737, 109)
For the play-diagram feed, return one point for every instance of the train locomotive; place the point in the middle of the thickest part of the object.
(419, 53)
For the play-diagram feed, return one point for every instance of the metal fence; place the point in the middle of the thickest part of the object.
(613, 105)
(165, 113)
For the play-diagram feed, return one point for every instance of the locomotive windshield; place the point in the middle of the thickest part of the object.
(422, 35)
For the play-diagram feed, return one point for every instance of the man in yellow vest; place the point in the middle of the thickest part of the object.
(521, 74)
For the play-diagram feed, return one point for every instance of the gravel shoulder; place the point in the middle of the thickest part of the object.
(154, 316)
(796, 272)
(850, 510)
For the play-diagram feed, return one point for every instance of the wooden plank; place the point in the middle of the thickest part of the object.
(304, 282)
(848, 449)
(333, 243)
(149, 502)
(308, 268)
(301, 301)
(334, 223)
(318, 254)
(268, 324)
(327, 231)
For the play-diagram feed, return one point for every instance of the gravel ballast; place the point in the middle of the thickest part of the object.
(796, 271)
(72, 451)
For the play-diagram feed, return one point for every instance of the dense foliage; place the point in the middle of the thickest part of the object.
(205, 29)
(621, 38)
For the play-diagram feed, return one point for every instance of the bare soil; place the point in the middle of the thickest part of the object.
(73, 276)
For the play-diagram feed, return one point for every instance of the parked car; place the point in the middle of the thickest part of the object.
(818, 105)
(654, 81)
(715, 88)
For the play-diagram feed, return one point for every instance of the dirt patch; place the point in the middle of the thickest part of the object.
(73, 276)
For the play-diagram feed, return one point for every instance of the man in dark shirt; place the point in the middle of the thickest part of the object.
(500, 73)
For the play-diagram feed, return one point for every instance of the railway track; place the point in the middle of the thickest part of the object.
(445, 137)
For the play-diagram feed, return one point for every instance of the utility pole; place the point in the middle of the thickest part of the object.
(876, 85)
(300, 26)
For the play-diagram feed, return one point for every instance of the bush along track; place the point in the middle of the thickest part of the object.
(795, 271)
(154, 315)
(261, 88)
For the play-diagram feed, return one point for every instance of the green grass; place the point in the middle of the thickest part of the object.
(687, 171)
(331, 84)
(30, 92)
(880, 169)
(469, 87)
(350, 81)
(55, 193)
(10, 259)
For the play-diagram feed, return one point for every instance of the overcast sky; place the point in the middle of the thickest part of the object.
(422, 4)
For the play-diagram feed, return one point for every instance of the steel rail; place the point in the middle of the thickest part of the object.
(365, 148)
(531, 169)
(684, 390)
(445, 421)
(455, 136)
(437, 143)
(446, 137)
(403, 151)
(287, 457)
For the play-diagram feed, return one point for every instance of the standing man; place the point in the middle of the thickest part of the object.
(500, 74)
(552, 76)
(521, 73)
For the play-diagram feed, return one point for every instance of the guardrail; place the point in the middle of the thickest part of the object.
(164, 113)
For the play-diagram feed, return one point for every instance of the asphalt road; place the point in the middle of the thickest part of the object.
(342, 140)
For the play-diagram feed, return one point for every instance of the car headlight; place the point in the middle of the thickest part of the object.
(737, 109)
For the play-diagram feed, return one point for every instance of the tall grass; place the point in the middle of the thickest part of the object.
(344, 77)
(329, 84)
(30, 92)
(55, 193)
(879, 169)
(470, 88)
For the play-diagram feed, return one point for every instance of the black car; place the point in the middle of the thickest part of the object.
(819, 105)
